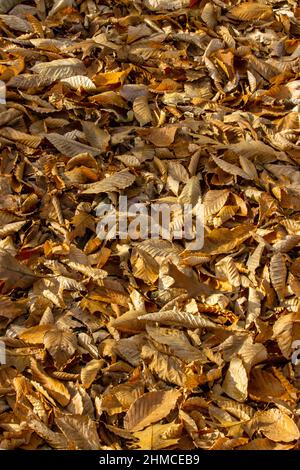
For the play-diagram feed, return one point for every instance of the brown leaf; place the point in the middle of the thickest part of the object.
(160, 137)
(14, 274)
(61, 344)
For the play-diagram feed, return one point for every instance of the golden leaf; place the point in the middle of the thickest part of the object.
(110, 78)
(276, 425)
(35, 334)
(250, 11)
(158, 436)
(223, 240)
(150, 408)
(56, 389)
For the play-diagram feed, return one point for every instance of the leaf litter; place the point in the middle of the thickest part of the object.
(126, 344)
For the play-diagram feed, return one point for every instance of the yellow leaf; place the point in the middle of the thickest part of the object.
(110, 78)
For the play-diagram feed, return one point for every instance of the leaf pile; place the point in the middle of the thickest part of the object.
(130, 344)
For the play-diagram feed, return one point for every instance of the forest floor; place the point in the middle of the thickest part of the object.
(123, 342)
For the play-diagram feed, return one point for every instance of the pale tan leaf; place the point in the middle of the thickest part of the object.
(286, 330)
(2, 95)
(119, 180)
(287, 244)
(80, 431)
(166, 5)
(254, 306)
(230, 168)
(54, 439)
(191, 192)
(177, 342)
(248, 167)
(214, 200)
(178, 172)
(257, 151)
(70, 147)
(208, 15)
(255, 258)
(60, 68)
(278, 274)
(16, 23)
(130, 348)
(239, 410)
(167, 368)
(79, 81)
(252, 353)
(175, 317)
(59, 5)
(235, 384)
(130, 321)
(142, 110)
(150, 408)
(9, 229)
(87, 271)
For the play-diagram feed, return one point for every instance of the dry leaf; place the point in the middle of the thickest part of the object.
(118, 181)
(61, 344)
(150, 408)
(277, 426)
(14, 274)
(80, 431)
(249, 11)
(141, 110)
(235, 384)
(119, 341)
